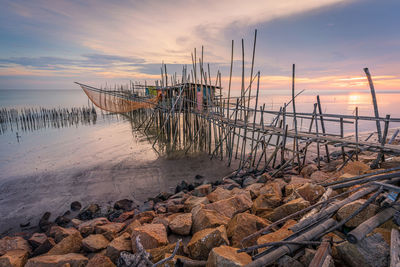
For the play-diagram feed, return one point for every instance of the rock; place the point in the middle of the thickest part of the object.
(263, 178)
(249, 181)
(14, 258)
(372, 251)
(163, 220)
(229, 184)
(62, 221)
(94, 243)
(70, 244)
(308, 256)
(193, 201)
(242, 225)
(225, 256)
(308, 170)
(125, 216)
(76, 222)
(319, 176)
(264, 203)
(207, 219)
(231, 206)
(109, 230)
(202, 190)
(205, 240)
(151, 236)
(88, 227)
(355, 168)
(48, 244)
(295, 182)
(385, 233)
(311, 192)
(71, 259)
(89, 212)
(157, 254)
(254, 189)
(59, 233)
(181, 224)
(183, 186)
(364, 215)
(37, 239)
(145, 217)
(279, 235)
(219, 194)
(175, 208)
(119, 244)
(131, 226)
(162, 196)
(76, 205)
(287, 209)
(288, 261)
(12, 243)
(44, 224)
(100, 261)
(123, 204)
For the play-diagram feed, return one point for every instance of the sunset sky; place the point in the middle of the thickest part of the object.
(51, 44)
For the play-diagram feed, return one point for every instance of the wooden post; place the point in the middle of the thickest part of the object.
(371, 86)
(394, 248)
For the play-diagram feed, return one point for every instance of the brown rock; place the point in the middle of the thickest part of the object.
(70, 244)
(385, 233)
(242, 225)
(59, 233)
(12, 243)
(161, 219)
(119, 244)
(287, 209)
(151, 236)
(279, 235)
(174, 208)
(109, 230)
(44, 247)
(76, 222)
(364, 215)
(193, 201)
(254, 189)
(88, 228)
(219, 194)
(14, 258)
(94, 243)
(311, 192)
(231, 206)
(125, 216)
(319, 176)
(145, 217)
(205, 240)
(37, 239)
(207, 219)
(225, 256)
(100, 261)
(202, 190)
(308, 170)
(159, 253)
(131, 226)
(355, 168)
(181, 224)
(71, 259)
(265, 203)
(273, 189)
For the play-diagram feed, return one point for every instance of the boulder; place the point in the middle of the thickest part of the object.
(202, 190)
(231, 206)
(193, 201)
(76, 205)
(123, 204)
(76, 222)
(181, 224)
(242, 225)
(14, 258)
(100, 261)
(119, 244)
(131, 226)
(254, 189)
(372, 251)
(157, 254)
(364, 215)
(355, 168)
(89, 212)
(151, 236)
(207, 219)
(249, 181)
(59, 233)
(12, 243)
(109, 230)
(70, 244)
(44, 223)
(311, 192)
(273, 189)
(225, 256)
(162, 219)
(205, 240)
(145, 217)
(37, 239)
(125, 216)
(308, 170)
(88, 227)
(279, 235)
(94, 243)
(264, 203)
(48, 244)
(287, 209)
(319, 176)
(70, 259)
(219, 194)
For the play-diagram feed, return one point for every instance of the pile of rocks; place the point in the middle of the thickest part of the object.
(212, 219)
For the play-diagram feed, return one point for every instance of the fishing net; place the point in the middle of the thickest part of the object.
(116, 101)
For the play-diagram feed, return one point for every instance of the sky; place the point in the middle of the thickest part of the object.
(49, 44)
